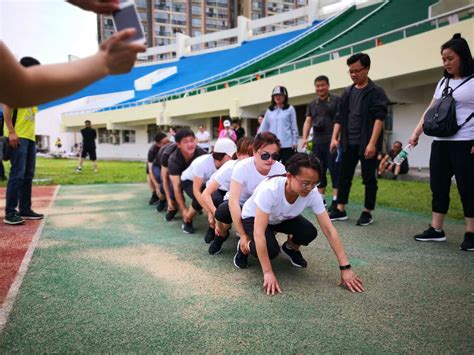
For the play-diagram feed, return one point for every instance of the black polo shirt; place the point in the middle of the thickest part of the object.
(177, 164)
(323, 113)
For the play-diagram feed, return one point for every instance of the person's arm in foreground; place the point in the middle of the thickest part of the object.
(208, 205)
(348, 279)
(12, 137)
(418, 131)
(97, 6)
(306, 128)
(166, 186)
(270, 283)
(178, 195)
(42, 83)
(236, 213)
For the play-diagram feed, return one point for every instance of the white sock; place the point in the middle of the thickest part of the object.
(334, 198)
(439, 230)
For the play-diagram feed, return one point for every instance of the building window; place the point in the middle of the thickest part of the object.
(42, 143)
(108, 136)
(128, 136)
(152, 130)
(388, 122)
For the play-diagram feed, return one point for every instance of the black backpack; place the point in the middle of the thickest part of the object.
(440, 118)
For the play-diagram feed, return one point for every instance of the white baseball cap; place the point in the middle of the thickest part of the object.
(227, 123)
(225, 145)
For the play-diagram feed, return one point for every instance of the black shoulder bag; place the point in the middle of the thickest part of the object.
(440, 119)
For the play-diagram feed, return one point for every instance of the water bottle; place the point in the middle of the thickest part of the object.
(400, 158)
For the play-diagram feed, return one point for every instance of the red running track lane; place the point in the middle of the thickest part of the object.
(15, 240)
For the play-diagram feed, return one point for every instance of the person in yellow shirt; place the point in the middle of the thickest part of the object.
(20, 130)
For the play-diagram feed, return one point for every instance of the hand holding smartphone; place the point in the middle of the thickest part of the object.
(127, 17)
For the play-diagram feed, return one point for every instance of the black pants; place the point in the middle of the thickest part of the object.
(285, 154)
(328, 161)
(2, 169)
(450, 158)
(302, 230)
(218, 197)
(349, 161)
(187, 186)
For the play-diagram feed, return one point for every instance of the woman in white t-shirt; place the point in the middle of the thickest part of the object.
(219, 184)
(246, 176)
(276, 207)
(453, 155)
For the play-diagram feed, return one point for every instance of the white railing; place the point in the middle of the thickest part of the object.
(284, 68)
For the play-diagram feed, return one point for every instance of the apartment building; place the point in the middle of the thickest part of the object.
(162, 19)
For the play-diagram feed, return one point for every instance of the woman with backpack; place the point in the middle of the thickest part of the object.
(451, 153)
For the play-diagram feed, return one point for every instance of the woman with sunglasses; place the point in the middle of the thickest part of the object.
(246, 176)
(280, 119)
(276, 206)
(218, 186)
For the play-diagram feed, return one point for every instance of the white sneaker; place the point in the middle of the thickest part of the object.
(78, 170)
(96, 171)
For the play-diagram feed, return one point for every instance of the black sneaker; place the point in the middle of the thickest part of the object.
(13, 218)
(337, 215)
(216, 245)
(153, 199)
(240, 259)
(430, 235)
(325, 203)
(160, 207)
(468, 243)
(294, 255)
(333, 206)
(188, 227)
(31, 215)
(365, 219)
(210, 235)
(170, 215)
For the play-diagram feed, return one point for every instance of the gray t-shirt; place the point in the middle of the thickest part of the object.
(354, 119)
(322, 113)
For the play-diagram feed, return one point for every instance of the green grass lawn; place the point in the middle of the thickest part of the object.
(410, 196)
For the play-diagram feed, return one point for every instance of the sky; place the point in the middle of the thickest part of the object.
(48, 30)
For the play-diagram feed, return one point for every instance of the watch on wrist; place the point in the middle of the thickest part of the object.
(344, 267)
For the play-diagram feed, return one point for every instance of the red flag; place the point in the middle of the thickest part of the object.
(221, 125)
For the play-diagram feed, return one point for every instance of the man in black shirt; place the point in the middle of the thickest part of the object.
(162, 160)
(387, 163)
(358, 129)
(320, 114)
(179, 161)
(238, 129)
(89, 136)
(153, 173)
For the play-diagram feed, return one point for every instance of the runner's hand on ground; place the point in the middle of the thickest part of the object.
(270, 284)
(351, 281)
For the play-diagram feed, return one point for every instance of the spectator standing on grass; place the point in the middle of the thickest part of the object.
(358, 129)
(19, 127)
(452, 155)
(204, 138)
(320, 115)
(89, 136)
(387, 164)
(228, 132)
(238, 129)
(280, 119)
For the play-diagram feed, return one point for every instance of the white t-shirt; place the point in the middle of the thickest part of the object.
(202, 167)
(222, 176)
(270, 198)
(204, 136)
(464, 97)
(247, 175)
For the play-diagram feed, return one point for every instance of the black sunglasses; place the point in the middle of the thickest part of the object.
(266, 156)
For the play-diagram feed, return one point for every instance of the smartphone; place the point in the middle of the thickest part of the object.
(127, 17)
